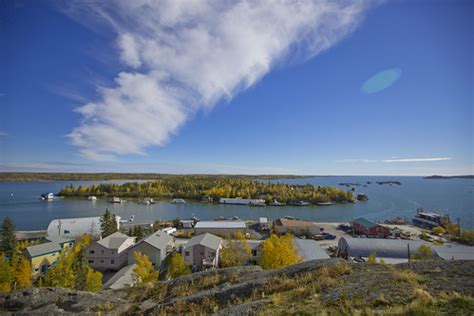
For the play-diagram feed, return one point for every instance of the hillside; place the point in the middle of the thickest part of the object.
(315, 287)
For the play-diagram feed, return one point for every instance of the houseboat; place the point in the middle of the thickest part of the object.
(324, 203)
(116, 199)
(276, 203)
(240, 201)
(430, 220)
(47, 197)
(178, 201)
(300, 203)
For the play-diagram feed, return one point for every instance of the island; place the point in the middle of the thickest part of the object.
(211, 188)
(436, 177)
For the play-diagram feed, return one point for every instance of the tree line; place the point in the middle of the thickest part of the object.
(216, 187)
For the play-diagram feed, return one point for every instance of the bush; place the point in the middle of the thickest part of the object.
(439, 230)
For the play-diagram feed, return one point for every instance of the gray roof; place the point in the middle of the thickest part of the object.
(159, 240)
(114, 241)
(221, 224)
(72, 227)
(309, 249)
(59, 240)
(207, 240)
(383, 248)
(365, 222)
(121, 279)
(455, 252)
(42, 249)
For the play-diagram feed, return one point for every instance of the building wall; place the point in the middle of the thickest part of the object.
(377, 231)
(195, 255)
(155, 255)
(102, 259)
(40, 264)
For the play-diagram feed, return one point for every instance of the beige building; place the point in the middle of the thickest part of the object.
(109, 253)
(295, 227)
(220, 228)
(156, 247)
(202, 252)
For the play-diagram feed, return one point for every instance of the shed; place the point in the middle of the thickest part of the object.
(383, 248)
(309, 249)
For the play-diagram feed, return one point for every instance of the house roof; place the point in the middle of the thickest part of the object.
(365, 222)
(122, 279)
(263, 220)
(309, 249)
(59, 240)
(383, 248)
(455, 252)
(72, 227)
(159, 240)
(294, 223)
(43, 249)
(114, 241)
(221, 224)
(207, 240)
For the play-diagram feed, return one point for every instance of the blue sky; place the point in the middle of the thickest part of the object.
(387, 91)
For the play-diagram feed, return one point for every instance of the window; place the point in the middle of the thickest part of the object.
(91, 261)
(101, 261)
(186, 253)
(254, 252)
(112, 252)
(91, 251)
(112, 261)
(102, 252)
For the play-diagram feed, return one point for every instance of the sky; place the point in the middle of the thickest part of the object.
(248, 87)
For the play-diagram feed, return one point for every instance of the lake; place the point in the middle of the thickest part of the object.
(20, 201)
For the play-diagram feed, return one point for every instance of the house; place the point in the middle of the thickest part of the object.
(187, 223)
(45, 255)
(109, 253)
(221, 228)
(156, 247)
(263, 223)
(74, 227)
(122, 279)
(362, 226)
(295, 227)
(202, 252)
(309, 249)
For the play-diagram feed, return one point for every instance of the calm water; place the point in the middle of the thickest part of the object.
(454, 197)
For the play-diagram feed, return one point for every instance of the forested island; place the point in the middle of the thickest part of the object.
(65, 176)
(435, 177)
(216, 187)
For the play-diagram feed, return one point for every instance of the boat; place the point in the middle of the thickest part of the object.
(47, 197)
(362, 197)
(300, 203)
(117, 200)
(92, 198)
(178, 201)
(257, 203)
(220, 218)
(241, 201)
(324, 203)
(144, 202)
(429, 220)
(289, 217)
(276, 203)
(130, 220)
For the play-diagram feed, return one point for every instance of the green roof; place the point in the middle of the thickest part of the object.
(366, 223)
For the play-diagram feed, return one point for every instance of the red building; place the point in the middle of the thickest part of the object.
(362, 226)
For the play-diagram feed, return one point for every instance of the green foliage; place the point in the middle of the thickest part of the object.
(372, 258)
(196, 187)
(236, 252)
(424, 252)
(467, 237)
(438, 230)
(278, 252)
(108, 224)
(144, 272)
(7, 275)
(175, 266)
(62, 274)
(93, 280)
(7, 238)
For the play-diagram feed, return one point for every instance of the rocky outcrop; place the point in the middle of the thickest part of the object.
(248, 290)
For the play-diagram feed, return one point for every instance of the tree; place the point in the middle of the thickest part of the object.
(372, 258)
(23, 273)
(108, 224)
(236, 252)
(62, 274)
(144, 272)
(438, 230)
(79, 262)
(93, 280)
(6, 275)
(424, 253)
(8, 239)
(176, 266)
(278, 252)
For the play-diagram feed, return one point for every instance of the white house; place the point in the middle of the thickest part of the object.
(202, 252)
(109, 253)
(156, 247)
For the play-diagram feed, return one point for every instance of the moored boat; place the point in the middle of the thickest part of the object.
(178, 201)
(276, 203)
(47, 196)
(92, 198)
(324, 203)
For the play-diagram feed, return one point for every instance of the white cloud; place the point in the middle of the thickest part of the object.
(2, 134)
(417, 159)
(185, 56)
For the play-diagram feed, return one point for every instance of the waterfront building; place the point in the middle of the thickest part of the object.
(362, 226)
(263, 223)
(156, 246)
(221, 228)
(430, 220)
(110, 253)
(296, 227)
(44, 256)
(202, 252)
(240, 201)
(75, 227)
(187, 223)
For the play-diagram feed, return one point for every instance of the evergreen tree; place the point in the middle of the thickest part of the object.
(108, 224)
(62, 274)
(8, 239)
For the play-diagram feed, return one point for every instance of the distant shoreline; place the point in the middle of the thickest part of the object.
(435, 177)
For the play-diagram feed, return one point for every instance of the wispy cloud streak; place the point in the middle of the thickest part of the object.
(417, 159)
(181, 57)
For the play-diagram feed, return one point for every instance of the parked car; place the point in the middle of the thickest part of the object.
(328, 236)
